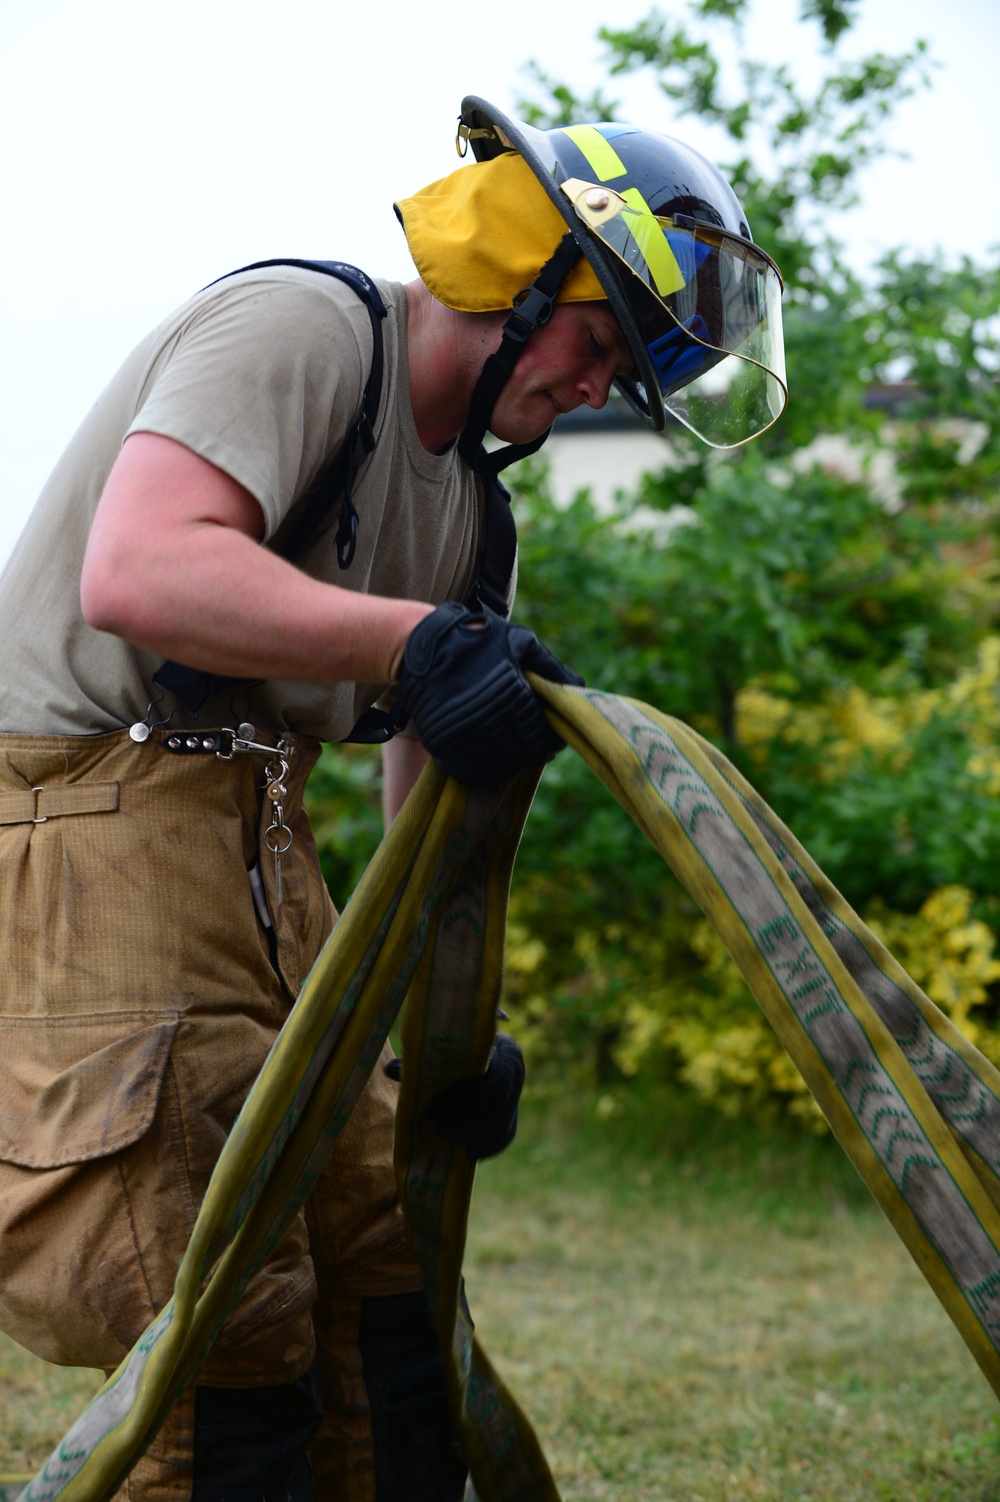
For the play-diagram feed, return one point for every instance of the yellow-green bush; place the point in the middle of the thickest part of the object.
(882, 725)
(672, 1002)
(655, 992)
(950, 954)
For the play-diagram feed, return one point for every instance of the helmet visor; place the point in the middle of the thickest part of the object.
(708, 306)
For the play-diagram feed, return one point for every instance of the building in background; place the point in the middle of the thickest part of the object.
(602, 451)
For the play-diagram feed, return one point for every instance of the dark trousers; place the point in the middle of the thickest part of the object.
(251, 1443)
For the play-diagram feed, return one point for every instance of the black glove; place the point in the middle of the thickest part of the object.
(462, 682)
(480, 1112)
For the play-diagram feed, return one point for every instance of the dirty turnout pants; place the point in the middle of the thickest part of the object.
(141, 995)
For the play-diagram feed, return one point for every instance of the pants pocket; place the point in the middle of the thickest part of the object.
(76, 1093)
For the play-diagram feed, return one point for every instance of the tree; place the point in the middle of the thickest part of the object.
(831, 634)
(824, 632)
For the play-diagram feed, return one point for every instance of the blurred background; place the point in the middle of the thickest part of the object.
(822, 605)
(149, 148)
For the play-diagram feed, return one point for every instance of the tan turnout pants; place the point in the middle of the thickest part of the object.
(141, 994)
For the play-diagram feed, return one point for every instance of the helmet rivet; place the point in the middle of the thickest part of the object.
(597, 199)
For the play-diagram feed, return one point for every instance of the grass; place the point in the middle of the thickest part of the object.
(687, 1309)
(691, 1311)
(38, 1403)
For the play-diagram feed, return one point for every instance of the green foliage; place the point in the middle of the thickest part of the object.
(938, 328)
(826, 624)
(344, 801)
(793, 157)
(774, 570)
(828, 644)
(834, 18)
(822, 605)
(894, 795)
(950, 954)
(562, 106)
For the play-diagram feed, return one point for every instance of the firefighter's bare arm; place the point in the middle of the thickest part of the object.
(174, 564)
(403, 759)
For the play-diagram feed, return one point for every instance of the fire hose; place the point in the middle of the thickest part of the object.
(914, 1105)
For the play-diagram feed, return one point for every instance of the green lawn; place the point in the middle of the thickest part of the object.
(694, 1311)
(37, 1405)
(688, 1309)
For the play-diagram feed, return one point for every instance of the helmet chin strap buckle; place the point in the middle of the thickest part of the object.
(532, 307)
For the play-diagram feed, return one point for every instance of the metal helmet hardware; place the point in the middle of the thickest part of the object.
(698, 302)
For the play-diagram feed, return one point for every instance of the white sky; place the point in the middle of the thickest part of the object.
(147, 148)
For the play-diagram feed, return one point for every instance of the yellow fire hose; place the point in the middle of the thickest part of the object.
(914, 1105)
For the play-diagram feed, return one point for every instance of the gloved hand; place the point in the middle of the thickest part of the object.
(480, 1112)
(462, 682)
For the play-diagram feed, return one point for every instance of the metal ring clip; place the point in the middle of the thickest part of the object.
(273, 845)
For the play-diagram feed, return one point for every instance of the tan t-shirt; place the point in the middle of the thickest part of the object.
(261, 374)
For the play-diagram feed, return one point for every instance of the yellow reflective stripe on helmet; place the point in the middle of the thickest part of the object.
(599, 152)
(648, 235)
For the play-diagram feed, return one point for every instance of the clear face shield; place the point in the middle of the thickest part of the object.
(708, 304)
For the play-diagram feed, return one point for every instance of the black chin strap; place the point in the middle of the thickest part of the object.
(532, 307)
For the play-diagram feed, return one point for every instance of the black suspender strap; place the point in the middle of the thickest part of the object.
(532, 307)
(338, 479)
(192, 686)
(494, 564)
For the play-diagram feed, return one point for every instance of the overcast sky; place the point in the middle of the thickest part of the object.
(147, 148)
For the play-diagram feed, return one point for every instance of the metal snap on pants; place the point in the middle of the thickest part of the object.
(141, 994)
